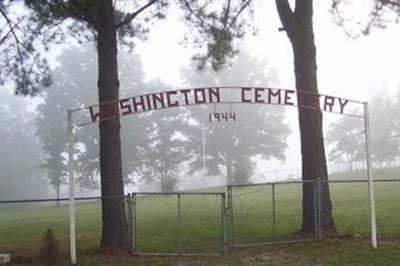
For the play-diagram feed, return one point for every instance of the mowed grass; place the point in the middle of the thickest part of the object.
(23, 225)
(195, 229)
(253, 211)
(327, 252)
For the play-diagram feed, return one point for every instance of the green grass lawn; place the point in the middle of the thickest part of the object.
(23, 225)
(252, 211)
(327, 252)
(377, 174)
(337, 251)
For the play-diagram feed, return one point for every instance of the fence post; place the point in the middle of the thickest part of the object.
(130, 221)
(230, 206)
(179, 225)
(223, 223)
(134, 222)
(371, 191)
(273, 215)
(71, 166)
(228, 219)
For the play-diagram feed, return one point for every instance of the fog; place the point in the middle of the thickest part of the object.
(33, 133)
(347, 67)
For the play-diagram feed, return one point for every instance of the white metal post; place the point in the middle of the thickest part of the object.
(72, 236)
(370, 179)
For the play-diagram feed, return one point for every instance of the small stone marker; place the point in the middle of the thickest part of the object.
(4, 258)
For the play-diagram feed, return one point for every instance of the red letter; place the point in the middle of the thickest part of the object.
(287, 97)
(277, 93)
(185, 93)
(159, 99)
(257, 95)
(329, 102)
(243, 98)
(93, 115)
(342, 104)
(203, 96)
(148, 102)
(213, 93)
(169, 102)
(124, 104)
(109, 110)
(140, 103)
(315, 100)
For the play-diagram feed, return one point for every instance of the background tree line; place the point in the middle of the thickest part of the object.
(160, 146)
(347, 141)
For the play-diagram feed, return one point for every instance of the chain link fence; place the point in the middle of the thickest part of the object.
(177, 223)
(204, 223)
(350, 207)
(23, 224)
(266, 213)
(387, 198)
(159, 224)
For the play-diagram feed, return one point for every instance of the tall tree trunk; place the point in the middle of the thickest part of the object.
(299, 28)
(115, 229)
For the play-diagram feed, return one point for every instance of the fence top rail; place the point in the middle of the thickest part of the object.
(387, 180)
(178, 193)
(312, 181)
(199, 193)
(361, 180)
(53, 200)
(31, 201)
(272, 183)
(346, 181)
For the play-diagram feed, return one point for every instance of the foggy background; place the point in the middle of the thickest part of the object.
(163, 150)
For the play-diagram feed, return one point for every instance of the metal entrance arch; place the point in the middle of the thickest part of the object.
(213, 95)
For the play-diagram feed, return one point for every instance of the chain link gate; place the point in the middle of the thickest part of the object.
(177, 223)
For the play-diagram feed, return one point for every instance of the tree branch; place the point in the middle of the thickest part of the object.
(391, 3)
(77, 11)
(17, 41)
(227, 25)
(239, 12)
(228, 8)
(193, 12)
(11, 29)
(128, 18)
(375, 17)
(286, 16)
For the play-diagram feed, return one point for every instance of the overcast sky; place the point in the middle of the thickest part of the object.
(353, 68)
(347, 67)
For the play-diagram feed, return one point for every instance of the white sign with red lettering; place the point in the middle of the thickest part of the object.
(218, 95)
